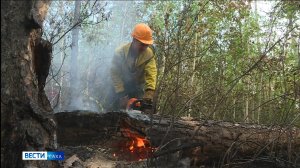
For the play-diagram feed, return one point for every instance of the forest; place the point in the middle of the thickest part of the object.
(227, 60)
(227, 89)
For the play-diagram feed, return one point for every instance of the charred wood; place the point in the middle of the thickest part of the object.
(199, 142)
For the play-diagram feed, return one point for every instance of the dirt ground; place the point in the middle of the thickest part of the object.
(95, 157)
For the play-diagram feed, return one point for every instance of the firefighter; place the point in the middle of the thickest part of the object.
(133, 70)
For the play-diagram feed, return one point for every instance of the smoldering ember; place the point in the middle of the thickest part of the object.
(116, 84)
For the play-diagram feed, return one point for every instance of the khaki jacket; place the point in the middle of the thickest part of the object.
(144, 71)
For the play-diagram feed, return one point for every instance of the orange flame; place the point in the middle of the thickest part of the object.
(137, 143)
(140, 142)
(138, 146)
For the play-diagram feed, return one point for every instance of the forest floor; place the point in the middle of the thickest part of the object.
(96, 156)
(99, 156)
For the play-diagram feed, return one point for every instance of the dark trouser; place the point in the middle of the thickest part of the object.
(134, 91)
(130, 90)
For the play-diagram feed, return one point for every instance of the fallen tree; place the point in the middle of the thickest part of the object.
(186, 141)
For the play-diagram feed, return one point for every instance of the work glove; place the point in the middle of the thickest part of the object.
(148, 99)
(148, 96)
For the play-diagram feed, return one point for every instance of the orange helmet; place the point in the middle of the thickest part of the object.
(143, 33)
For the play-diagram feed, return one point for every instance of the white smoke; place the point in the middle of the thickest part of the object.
(96, 46)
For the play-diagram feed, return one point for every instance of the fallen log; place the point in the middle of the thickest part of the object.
(186, 141)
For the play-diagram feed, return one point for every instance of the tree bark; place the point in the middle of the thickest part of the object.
(75, 98)
(202, 141)
(26, 114)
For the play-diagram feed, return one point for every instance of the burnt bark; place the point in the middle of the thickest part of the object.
(26, 115)
(203, 142)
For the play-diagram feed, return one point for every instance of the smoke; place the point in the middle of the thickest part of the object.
(96, 44)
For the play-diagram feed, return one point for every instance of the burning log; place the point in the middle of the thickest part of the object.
(126, 136)
(182, 141)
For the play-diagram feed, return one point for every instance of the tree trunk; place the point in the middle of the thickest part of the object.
(193, 74)
(260, 97)
(75, 98)
(298, 52)
(125, 17)
(234, 109)
(201, 141)
(246, 115)
(26, 113)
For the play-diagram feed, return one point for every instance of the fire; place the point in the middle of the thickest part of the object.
(137, 143)
(138, 146)
(140, 142)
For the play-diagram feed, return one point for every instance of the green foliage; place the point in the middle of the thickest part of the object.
(206, 51)
(221, 60)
